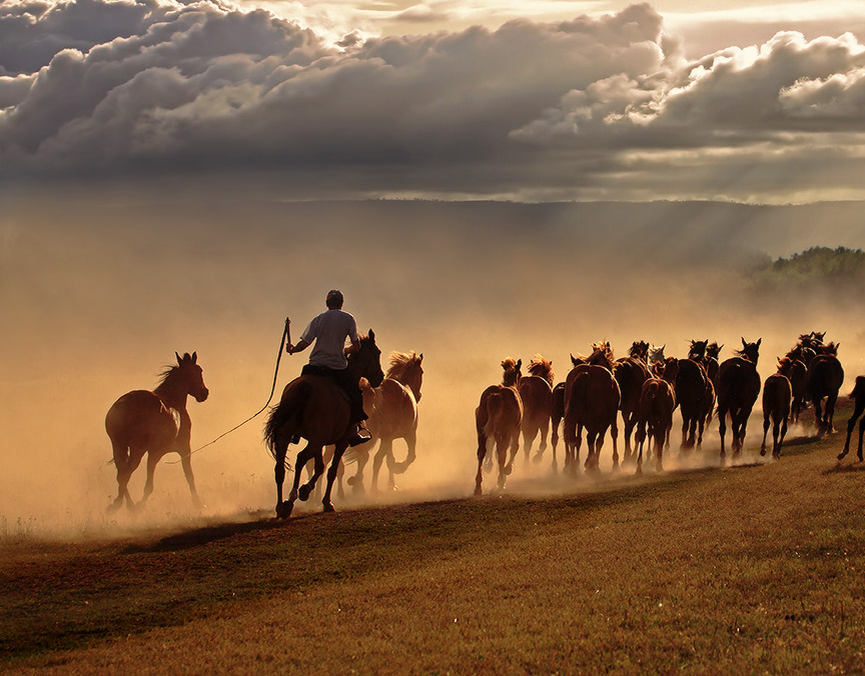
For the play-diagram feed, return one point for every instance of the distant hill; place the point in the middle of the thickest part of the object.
(818, 269)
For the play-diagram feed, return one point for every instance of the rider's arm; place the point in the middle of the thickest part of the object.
(300, 347)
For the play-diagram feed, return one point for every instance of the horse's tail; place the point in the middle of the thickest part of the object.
(573, 406)
(495, 409)
(285, 417)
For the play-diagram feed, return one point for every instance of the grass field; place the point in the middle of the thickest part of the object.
(755, 568)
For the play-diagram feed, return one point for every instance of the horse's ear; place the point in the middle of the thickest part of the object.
(371, 335)
(420, 359)
(744, 344)
(573, 361)
(195, 357)
(519, 364)
(759, 340)
(178, 358)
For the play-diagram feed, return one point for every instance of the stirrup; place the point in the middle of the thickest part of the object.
(360, 437)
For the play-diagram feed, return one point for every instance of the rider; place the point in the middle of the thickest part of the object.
(329, 330)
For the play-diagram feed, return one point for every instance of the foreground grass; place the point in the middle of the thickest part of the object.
(741, 570)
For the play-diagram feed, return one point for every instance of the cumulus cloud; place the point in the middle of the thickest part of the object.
(543, 108)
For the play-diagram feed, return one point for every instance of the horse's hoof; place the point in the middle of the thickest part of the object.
(304, 492)
(283, 509)
(112, 508)
(328, 507)
(507, 471)
(762, 451)
(351, 481)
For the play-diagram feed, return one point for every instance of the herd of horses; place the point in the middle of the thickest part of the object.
(645, 388)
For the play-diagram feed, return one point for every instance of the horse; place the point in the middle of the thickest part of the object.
(155, 422)
(797, 373)
(315, 408)
(592, 400)
(498, 418)
(630, 373)
(657, 361)
(858, 395)
(825, 376)
(536, 393)
(393, 408)
(557, 413)
(657, 403)
(777, 398)
(738, 389)
(711, 363)
(690, 383)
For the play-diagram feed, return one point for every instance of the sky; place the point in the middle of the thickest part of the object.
(526, 101)
(482, 179)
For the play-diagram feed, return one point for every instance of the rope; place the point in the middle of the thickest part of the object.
(282, 341)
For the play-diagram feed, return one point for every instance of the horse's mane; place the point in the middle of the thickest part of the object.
(830, 348)
(169, 370)
(539, 366)
(639, 349)
(400, 362)
(602, 355)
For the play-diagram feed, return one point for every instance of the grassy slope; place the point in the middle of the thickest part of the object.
(747, 569)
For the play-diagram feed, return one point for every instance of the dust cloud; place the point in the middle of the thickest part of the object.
(99, 289)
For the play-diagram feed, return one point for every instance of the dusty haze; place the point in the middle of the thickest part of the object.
(98, 294)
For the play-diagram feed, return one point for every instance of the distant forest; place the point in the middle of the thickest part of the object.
(818, 268)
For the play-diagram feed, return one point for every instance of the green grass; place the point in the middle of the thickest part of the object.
(747, 569)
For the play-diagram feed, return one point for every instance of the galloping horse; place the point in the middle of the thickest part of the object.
(392, 407)
(497, 418)
(690, 383)
(592, 399)
(155, 423)
(536, 392)
(738, 389)
(797, 373)
(630, 373)
(825, 376)
(858, 395)
(657, 403)
(315, 408)
(777, 397)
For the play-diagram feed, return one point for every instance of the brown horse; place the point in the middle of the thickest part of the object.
(536, 392)
(738, 389)
(315, 408)
(393, 410)
(592, 399)
(777, 398)
(797, 373)
(657, 403)
(556, 415)
(155, 423)
(630, 373)
(498, 418)
(825, 376)
(657, 361)
(690, 383)
(858, 396)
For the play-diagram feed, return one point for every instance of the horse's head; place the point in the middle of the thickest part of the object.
(191, 373)
(365, 362)
(639, 350)
(656, 354)
(406, 368)
(541, 367)
(697, 351)
(713, 350)
(751, 351)
(512, 373)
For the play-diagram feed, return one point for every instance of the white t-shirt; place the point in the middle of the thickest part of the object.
(329, 331)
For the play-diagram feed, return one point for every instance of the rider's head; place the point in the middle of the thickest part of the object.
(334, 299)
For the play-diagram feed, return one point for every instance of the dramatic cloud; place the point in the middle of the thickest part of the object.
(591, 107)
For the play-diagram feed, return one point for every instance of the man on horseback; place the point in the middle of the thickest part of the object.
(329, 332)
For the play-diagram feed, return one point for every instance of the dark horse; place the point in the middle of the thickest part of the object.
(631, 372)
(777, 398)
(536, 393)
(155, 423)
(657, 403)
(692, 388)
(315, 408)
(858, 396)
(497, 419)
(738, 389)
(824, 379)
(592, 399)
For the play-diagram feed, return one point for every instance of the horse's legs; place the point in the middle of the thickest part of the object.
(152, 461)
(501, 458)
(722, 430)
(385, 451)
(766, 424)
(861, 432)
(818, 416)
(482, 451)
(513, 441)
(544, 430)
(779, 436)
(639, 440)
(851, 423)
(318, 470)
(331, 473)
(186, 463)
(659, 448)
(830, 412)
(554, 441)
(121, 462)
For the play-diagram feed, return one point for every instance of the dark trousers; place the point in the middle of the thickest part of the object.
(348, 383)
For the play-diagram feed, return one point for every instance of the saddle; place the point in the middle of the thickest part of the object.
(330, 374)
